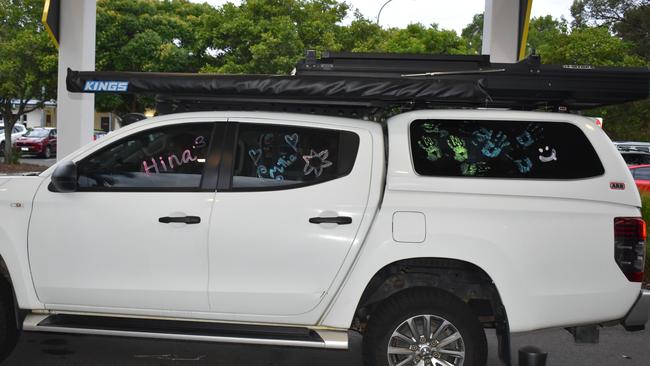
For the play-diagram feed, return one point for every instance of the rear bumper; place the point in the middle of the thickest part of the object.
(638, 316)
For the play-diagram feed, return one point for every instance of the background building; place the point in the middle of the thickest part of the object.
(47, 117)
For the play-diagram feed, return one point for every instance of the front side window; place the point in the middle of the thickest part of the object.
(502, 149)
(171, 157)
(272, 156)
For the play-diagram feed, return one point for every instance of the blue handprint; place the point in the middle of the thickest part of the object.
(524, 165)
(530, 135)
(492, 145)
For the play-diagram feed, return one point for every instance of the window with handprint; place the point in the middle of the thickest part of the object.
(502, 149)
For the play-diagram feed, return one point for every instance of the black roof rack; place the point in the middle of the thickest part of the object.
(371, 85)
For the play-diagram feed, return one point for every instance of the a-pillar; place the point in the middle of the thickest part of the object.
(75, 111)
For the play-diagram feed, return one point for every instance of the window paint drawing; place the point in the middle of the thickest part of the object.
(502, 149)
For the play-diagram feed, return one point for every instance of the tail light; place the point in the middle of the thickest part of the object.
(629, 243)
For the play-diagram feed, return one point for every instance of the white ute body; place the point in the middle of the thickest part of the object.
(547, 245)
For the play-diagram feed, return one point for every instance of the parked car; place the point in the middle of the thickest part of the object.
(290, 229)
(98, 134)
(635, 157)
(634, 153)
(632, 146)
(40, 141)
(641, 174)
(18, 130)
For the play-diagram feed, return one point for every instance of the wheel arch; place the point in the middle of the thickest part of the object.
(464, 280)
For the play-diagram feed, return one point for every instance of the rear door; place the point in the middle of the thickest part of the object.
(285, 219)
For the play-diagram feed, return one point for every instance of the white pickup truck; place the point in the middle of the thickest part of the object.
(293, 229)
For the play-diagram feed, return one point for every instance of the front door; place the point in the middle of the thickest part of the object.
(134, 235)
(283, 226)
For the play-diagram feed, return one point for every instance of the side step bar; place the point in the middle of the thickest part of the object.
(187, 330)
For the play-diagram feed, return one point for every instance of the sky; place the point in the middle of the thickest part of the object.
(400, 13)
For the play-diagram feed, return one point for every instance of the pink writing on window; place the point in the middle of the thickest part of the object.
(170, 162)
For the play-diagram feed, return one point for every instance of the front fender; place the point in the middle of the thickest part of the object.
(16, 196)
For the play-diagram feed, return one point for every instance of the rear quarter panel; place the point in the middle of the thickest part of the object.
(547, 244)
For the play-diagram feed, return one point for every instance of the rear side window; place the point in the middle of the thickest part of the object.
(502, 149)
(279, 156)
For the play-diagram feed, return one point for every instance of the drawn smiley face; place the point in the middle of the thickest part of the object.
(547, 154)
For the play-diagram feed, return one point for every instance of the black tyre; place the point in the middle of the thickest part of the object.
(398, 334)
(47, 152)
(8, 329)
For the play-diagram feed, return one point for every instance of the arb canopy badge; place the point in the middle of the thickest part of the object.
(617, 185)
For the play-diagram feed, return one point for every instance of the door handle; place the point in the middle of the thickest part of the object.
(339, 220)
(183, 220)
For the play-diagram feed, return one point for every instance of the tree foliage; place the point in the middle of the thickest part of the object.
(28, 63)
(148, 35)
(629, 19)
(473, 34)
(269, 36)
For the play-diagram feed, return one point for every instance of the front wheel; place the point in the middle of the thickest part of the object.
(424, 327)
(47, 152)
(8, 329)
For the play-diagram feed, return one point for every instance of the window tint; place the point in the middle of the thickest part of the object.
(274, 157)
(170, 157)
(642, 173)
(502, 149)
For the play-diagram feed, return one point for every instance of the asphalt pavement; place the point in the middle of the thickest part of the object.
(616, 347)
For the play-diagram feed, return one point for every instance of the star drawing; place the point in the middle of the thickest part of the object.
(316, 162)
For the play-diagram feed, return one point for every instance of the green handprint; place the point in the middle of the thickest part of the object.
(431, 148)
(458, 146)
(473, 169)
(434, 128)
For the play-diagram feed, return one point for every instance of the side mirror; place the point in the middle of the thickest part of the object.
(64, 178)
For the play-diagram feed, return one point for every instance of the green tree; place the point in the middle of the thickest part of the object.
(28, 63)
(269, 36)
(148, 35)
(629, 19)
(416, 38)
(362, 35)
(473, 34)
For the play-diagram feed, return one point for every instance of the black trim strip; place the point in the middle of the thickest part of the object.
(213, 163)
(228, 156)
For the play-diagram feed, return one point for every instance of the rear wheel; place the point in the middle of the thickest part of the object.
(424, 327)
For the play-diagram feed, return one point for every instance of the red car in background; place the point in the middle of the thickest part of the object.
(41, 141)
(641, 174)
